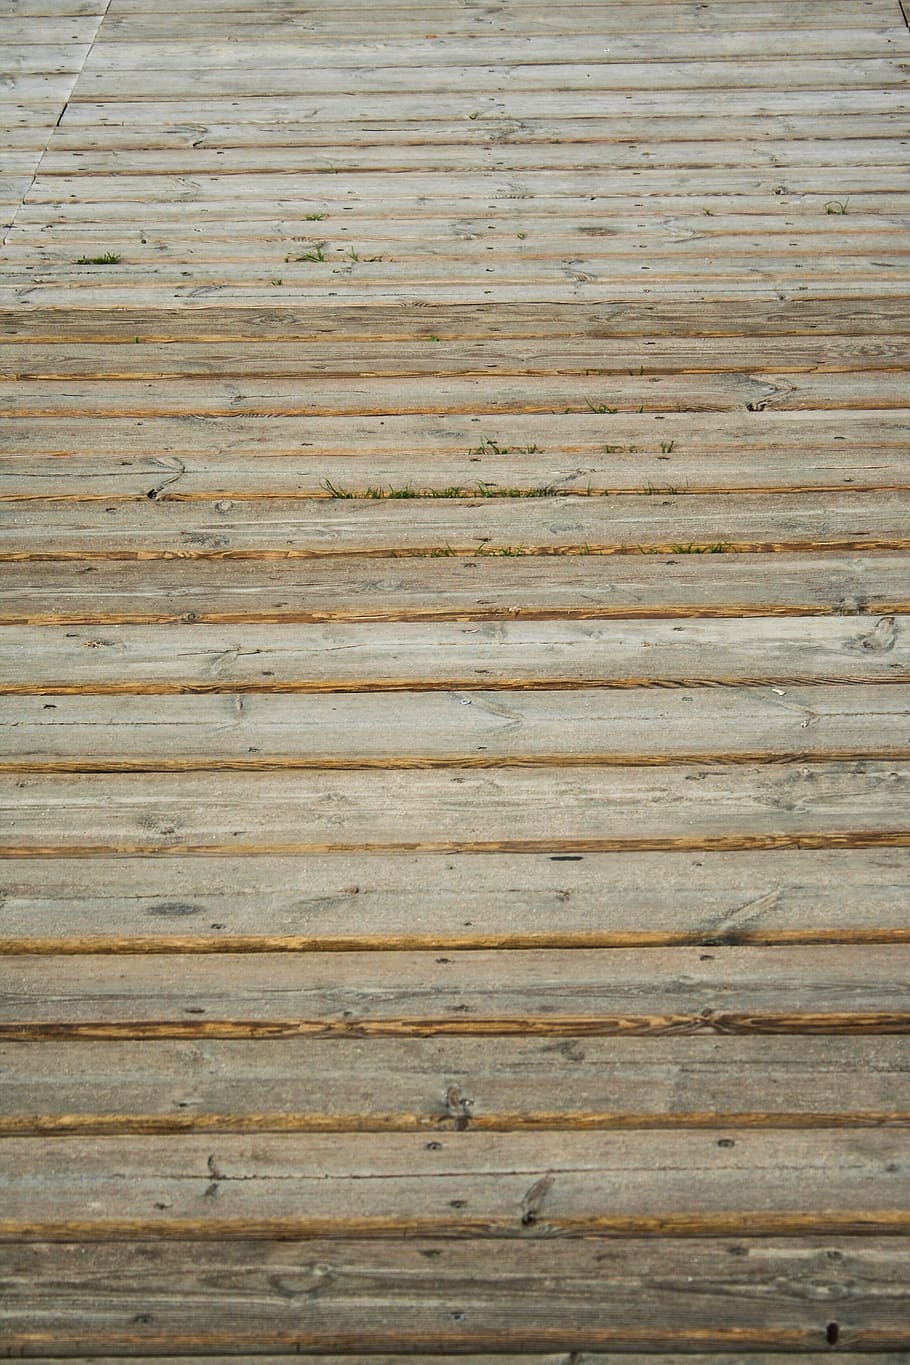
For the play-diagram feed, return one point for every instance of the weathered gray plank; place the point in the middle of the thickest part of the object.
(583, 728)
(578, 992)
(876, 389)
(676, 246)
(276, 529)
(429, 656)
(226, 131)
(558, 154)
(548, 808)
(480, 437)
(157, 81)
(405, 319)
(24, 362)
(475, 589)
(505, 1185)
(608, 469)
(261, 106)
(544, 392)
(267, 52)
(459, 158)
(727, 1297)
(683, 17)
(340, 901)
(437, 1085)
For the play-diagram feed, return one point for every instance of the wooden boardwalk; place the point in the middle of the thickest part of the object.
(455, 660)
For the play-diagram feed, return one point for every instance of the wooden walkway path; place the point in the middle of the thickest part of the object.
(455, 659)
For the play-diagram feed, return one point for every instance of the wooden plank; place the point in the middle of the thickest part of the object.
(594, 1357)
(37, 87)
(45, 58)
(610, 470)
(449, 268)
(268, 52)
(148, 81)
(338, 902)
(430, 730)
(27, 363)
(440, 1085)
(474, 1184)
(228, 15)
(475, 589)
(406, 320)
(21, 28)
(659, 522)
(261, 107)
(403, 20)
(533, 809)
(571, 994)
(170, 260)
(477, 186)
(818, 391)
(434, 148)
(421, 1294)
(118, 293)
(425, 656)
(478, 438)
(870, 10)
(756, 129)
(375, 900)
(492, 241)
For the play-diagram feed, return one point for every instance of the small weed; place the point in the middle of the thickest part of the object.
(599, 407)
(720, 547)
(406, 492)
(441, 552)
(666, 447)
(109, 258)
(489, 446)
(276, 282)
(492, 490)
(480, 490)
(674, 490)
(314, 217)
(836, 206)
(434, 338)
(521, 236)
(352, 254)
(317, 255)
(501, 551)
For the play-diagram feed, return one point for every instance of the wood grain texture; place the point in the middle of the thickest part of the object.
(659, 523)
(726, 1297)
(571, 729)
(723, 1357)
(505, 1185)
(391, 901)
(431, 927)
(533, 809)
(172, 592)
(406, 318)
(452, 657)
(573, 993)
(439, 1085)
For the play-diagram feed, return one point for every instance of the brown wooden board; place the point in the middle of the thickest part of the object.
(532, 1301)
